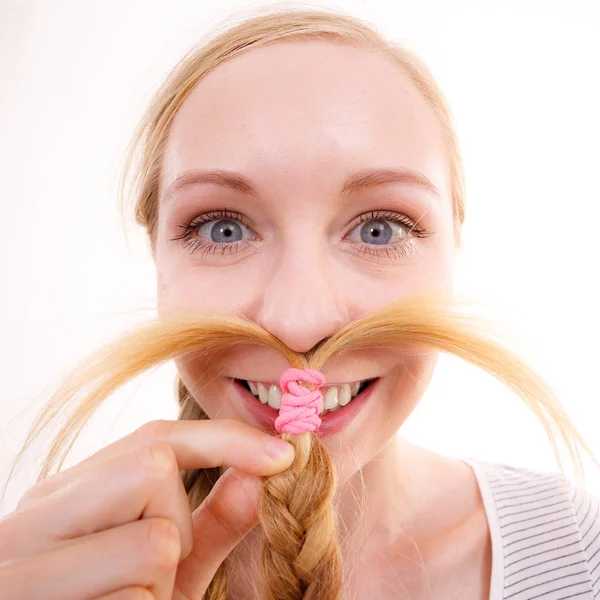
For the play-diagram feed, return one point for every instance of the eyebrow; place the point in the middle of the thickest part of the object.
(359, 180)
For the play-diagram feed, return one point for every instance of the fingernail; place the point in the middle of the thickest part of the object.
(278, 448)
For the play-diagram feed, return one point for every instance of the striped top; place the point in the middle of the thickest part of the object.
(545, 534)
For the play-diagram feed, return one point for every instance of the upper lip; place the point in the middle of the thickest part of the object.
(275, 380)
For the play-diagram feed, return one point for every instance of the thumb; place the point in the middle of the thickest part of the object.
(229, 512)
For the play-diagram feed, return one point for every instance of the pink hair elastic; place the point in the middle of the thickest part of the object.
(300, 407)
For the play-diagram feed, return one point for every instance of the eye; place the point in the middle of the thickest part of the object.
(221, 231)
(378, 232)
(224, 231)
(385, 234)
(384, 227)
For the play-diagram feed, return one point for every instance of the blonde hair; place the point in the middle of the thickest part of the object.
(300, 556)
(153, 130)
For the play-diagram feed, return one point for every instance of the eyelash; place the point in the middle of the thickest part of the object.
(192, 244)
(401, 249)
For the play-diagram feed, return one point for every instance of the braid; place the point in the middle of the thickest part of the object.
(300, 557)
(199, 482)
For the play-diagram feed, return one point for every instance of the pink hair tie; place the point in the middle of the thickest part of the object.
(300, 407)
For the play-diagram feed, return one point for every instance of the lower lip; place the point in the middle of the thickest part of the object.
(332, 423)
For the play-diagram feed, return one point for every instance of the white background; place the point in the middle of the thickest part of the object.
(522, 78)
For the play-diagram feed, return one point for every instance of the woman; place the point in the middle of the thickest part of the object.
(301, 173)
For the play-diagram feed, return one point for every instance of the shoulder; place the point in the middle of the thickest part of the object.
(586, 507)
(547, 531)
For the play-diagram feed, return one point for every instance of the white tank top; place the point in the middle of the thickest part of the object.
(545, 535)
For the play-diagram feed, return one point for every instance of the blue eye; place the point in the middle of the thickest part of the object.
(378, 232)
(224, 231)
(216, 231)
(386, 233)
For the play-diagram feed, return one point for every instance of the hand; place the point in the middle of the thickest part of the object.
(118, 525)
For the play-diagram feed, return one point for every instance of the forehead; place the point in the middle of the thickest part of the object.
(305, 113)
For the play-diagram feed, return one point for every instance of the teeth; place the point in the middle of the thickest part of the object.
(345, 395)
(334, 397)
(263, 394)
(330, 400)
(274, 397)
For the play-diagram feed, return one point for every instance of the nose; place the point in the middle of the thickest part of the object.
(301, 304)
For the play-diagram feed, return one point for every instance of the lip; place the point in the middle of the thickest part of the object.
(331, 423)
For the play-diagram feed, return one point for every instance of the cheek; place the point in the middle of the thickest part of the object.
(436, 269)
(408, 383)
(434, 273)
(201, 287)
(207, 390)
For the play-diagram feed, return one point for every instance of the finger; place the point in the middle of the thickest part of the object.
(143, 553)
(131, 593)
(197, 444)
(229, 512)
(141, 484)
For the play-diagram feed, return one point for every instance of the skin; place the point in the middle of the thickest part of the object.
(72, 536)
(296, 119)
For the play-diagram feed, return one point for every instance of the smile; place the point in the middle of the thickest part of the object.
(334, 396)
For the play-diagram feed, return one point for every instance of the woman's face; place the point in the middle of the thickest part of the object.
(304, 185)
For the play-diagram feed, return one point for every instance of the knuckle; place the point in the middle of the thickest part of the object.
(162, 544)
(225, 514)
(136, 593)
(158, 429)
(142, 594)
(10, 533)
(35, 493)
(26, 500)
(233, 424)
(236, 428)
(157, 459)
